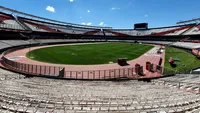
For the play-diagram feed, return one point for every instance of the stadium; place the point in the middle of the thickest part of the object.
(50, 66)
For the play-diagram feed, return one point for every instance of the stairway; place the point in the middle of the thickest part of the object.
(188, 30)
(21, 23)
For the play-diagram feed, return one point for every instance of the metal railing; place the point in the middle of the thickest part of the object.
(102, 74)
(55, 71)
(31, 69)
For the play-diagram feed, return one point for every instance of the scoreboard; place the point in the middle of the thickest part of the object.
(141, 26)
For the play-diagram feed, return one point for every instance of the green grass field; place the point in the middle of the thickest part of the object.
(187, 60)
(88, 54)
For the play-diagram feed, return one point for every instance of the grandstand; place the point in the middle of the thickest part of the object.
(9, 22)
(165, 31)
(82, 96)
(144, 86)
(24, 23)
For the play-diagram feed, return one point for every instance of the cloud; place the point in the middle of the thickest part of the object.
(88, 11)
(101, 23)
(50, 8)
(71, 0)
(81, 17)
(115, 8)
(89, 23)
(146, 15)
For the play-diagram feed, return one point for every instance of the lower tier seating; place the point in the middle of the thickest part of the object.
(48, 95)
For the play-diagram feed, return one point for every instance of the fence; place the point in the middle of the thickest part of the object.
(102, 74)
(31, 69)
(53, 71)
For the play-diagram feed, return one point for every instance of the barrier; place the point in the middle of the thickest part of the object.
(30, 69)
(61, 72)
(100, 74)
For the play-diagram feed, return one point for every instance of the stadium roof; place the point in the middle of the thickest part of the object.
(189, 21)
(4, 9)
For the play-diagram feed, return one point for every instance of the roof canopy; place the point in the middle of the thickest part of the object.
(189, 21)
(4, 9)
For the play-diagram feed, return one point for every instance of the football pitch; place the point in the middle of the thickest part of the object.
(89, 54)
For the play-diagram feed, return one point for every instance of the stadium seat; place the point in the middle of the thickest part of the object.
(8, 22)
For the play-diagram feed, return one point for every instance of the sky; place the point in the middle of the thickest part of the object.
(118, 14)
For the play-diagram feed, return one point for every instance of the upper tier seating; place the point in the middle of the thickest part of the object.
(8, 22)
(4, 17)
(21, 23)
(78, 30)
(38, 26)
(172, 31)
(100, 33)
(50, 27)
(177, 30)
(194, 31)
(24, 24)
